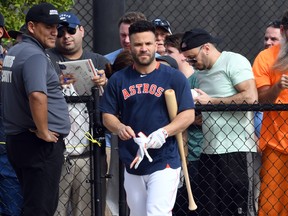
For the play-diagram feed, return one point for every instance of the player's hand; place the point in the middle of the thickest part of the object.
(125, 132)
(48, 136)
(157, 138)
(100, 79)
(141, 141)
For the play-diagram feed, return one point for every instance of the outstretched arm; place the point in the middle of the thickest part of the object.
(113, 124)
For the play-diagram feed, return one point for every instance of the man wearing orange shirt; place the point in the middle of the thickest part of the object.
(271, 74)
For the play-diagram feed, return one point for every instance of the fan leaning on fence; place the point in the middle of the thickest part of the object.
(229, 145)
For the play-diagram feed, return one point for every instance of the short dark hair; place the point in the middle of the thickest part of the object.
(141, 26)
(174, 40)
(131, 17)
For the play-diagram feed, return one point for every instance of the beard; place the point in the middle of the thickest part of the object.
(144, 62)
(281, 63)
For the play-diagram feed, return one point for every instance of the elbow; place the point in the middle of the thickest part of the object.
(190, 118)
(105, 119)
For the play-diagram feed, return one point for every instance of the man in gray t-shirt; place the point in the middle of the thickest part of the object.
(35, 113)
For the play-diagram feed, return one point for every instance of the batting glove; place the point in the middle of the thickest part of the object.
(157, 138)
(142, 151)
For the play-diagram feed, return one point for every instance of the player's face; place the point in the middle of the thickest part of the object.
(44, 33)
(272, 37)
(124, 35)
(69, 41)
(143, 48)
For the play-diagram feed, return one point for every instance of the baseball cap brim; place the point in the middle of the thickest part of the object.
(71, 25)
(14, 33)
(166, 28)
(168, 59)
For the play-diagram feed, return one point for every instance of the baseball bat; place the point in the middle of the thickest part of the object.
(172, 107)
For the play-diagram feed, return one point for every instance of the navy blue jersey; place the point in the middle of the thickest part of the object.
(140, 102)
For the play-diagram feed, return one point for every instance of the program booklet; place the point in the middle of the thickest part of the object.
(83, 71)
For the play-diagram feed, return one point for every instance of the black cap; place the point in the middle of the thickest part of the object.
(2, 24)
(195, 38)
(161, 23)
(168, 59)
(15, 33)
(44, 13)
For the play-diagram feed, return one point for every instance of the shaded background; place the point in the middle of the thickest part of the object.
(241, 24)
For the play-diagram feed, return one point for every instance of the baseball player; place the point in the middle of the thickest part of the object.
(147, 145)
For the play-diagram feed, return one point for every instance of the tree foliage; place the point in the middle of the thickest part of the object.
(14, 11)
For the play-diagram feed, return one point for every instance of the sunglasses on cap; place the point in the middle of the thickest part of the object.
(274, 24)
(159, 22)
(69, 30)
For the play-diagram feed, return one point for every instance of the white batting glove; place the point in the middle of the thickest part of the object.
(142, 151)
(157, 138)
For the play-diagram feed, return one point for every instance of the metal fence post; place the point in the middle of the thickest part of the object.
(99, 157)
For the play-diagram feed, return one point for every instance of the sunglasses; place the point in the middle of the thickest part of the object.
(69, 30)
(159, 22)
(274, 24)
(193, 60)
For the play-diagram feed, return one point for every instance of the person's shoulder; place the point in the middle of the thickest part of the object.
(93, 55)
(121, 75)
(233, 58)
(170, 73)
(232, 55)
(52, 51)
(168, 69)
(269, 53)
(112, 55)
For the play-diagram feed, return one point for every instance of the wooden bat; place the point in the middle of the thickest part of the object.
(172, 107)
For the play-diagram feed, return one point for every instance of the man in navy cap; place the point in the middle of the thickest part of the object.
(35, 113)
(229, 143)
(75, 190)
(163, 29)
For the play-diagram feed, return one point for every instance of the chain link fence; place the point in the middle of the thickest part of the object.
(240, 24)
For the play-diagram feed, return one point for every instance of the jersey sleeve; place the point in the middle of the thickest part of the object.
(109, 100)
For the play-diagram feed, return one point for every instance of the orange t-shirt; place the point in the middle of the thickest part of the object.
(274, 131)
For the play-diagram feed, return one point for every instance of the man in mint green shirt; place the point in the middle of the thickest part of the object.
(226, 164)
